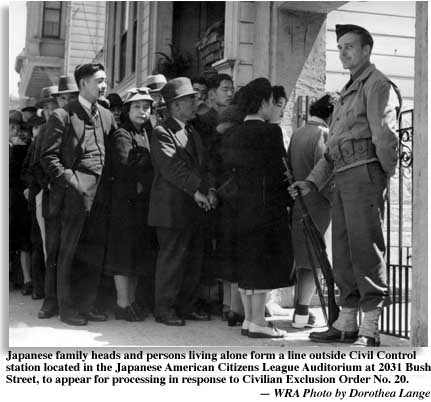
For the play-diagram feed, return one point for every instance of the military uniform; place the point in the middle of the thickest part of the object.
(361, 154)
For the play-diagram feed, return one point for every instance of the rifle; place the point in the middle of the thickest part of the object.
(315, 245)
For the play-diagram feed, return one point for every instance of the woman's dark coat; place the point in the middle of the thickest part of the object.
(256, 219)
(132, 245)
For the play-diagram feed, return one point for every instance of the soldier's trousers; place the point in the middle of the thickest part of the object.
(358, 245)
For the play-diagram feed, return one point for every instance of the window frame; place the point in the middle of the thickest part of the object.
(60, 10)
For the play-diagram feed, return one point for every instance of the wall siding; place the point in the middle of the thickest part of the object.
(87, 30)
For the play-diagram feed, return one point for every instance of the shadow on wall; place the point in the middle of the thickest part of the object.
(300, 58)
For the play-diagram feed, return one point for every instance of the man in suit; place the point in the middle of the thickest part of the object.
(73, 156)
(181, 193)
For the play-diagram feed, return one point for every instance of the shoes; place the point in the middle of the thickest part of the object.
(234, 318)
(35, 295)
(27, 289)
(47, 310)
(143, 312)
(196, 316)
(127, 313)
(302, 321)
(95, 316)
(244, 327)
(257, 331)
(334, 335)
(74, 318)
(366, 341)
(170, 319)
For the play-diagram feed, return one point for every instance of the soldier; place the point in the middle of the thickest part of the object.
(361, 153)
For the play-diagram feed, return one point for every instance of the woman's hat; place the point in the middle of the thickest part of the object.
(47, 95)
(66, 85)
(155, 82)
(177, 88)
(138, 94)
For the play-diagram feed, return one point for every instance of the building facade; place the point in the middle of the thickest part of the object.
(59, 36)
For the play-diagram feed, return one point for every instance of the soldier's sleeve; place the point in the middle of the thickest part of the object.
(321, 173)
(382, 120)
(51, 160)
(171, 166)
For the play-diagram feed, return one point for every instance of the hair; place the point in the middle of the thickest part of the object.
(214, 82)
(251, 96)
(323, 107)
(278, 92)
(86, 70)
(114, 100)
(199, 80)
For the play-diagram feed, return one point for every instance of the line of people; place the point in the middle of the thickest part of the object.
(183, 181)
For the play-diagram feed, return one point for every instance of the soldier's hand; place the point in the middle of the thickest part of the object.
(212, 198)
(202, 200)
(26, 193)
(300, 187)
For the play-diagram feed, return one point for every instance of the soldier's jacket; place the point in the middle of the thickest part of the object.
(363, 127)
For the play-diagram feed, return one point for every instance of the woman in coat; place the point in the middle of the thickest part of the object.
(264, 260)
(132, 245)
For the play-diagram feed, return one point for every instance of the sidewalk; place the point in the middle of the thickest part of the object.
(26, 330)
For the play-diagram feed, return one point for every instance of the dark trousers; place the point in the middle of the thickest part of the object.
(357, 236)
(37, 259)
(178, 269)
(80, 258)
(52, 238)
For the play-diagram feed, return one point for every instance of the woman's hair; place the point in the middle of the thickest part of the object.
(251, 96)
(278, 92)
(323, 107)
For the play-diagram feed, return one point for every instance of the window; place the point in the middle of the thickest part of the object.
(124, 25)
(51, 19)
(135, 28)
(114, 32)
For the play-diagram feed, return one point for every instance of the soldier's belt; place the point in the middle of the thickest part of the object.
(351, 153)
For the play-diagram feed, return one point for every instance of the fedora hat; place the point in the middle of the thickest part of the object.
(155, 82)
(138, 94)
(177, 88)
(66, 85)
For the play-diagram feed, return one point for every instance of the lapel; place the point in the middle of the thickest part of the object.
(105, 119)
(78, 118)
(180, 137)
(358, 81)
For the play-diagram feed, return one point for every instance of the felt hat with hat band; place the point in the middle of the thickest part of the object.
(177, 88)
(155, 82)
(66, 85)
(341, 30)
(31, 109)
(138, 94)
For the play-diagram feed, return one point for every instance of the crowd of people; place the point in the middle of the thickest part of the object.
(141, 203)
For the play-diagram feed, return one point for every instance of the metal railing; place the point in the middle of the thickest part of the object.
(395, 319)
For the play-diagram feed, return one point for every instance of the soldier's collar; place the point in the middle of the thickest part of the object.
(362, 77)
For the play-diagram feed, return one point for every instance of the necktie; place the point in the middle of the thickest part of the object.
(94, 111)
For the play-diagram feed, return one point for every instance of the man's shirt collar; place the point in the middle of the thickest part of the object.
(84, 102)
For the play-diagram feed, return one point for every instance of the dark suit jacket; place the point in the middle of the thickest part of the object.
(178, 174)
(62, 148)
